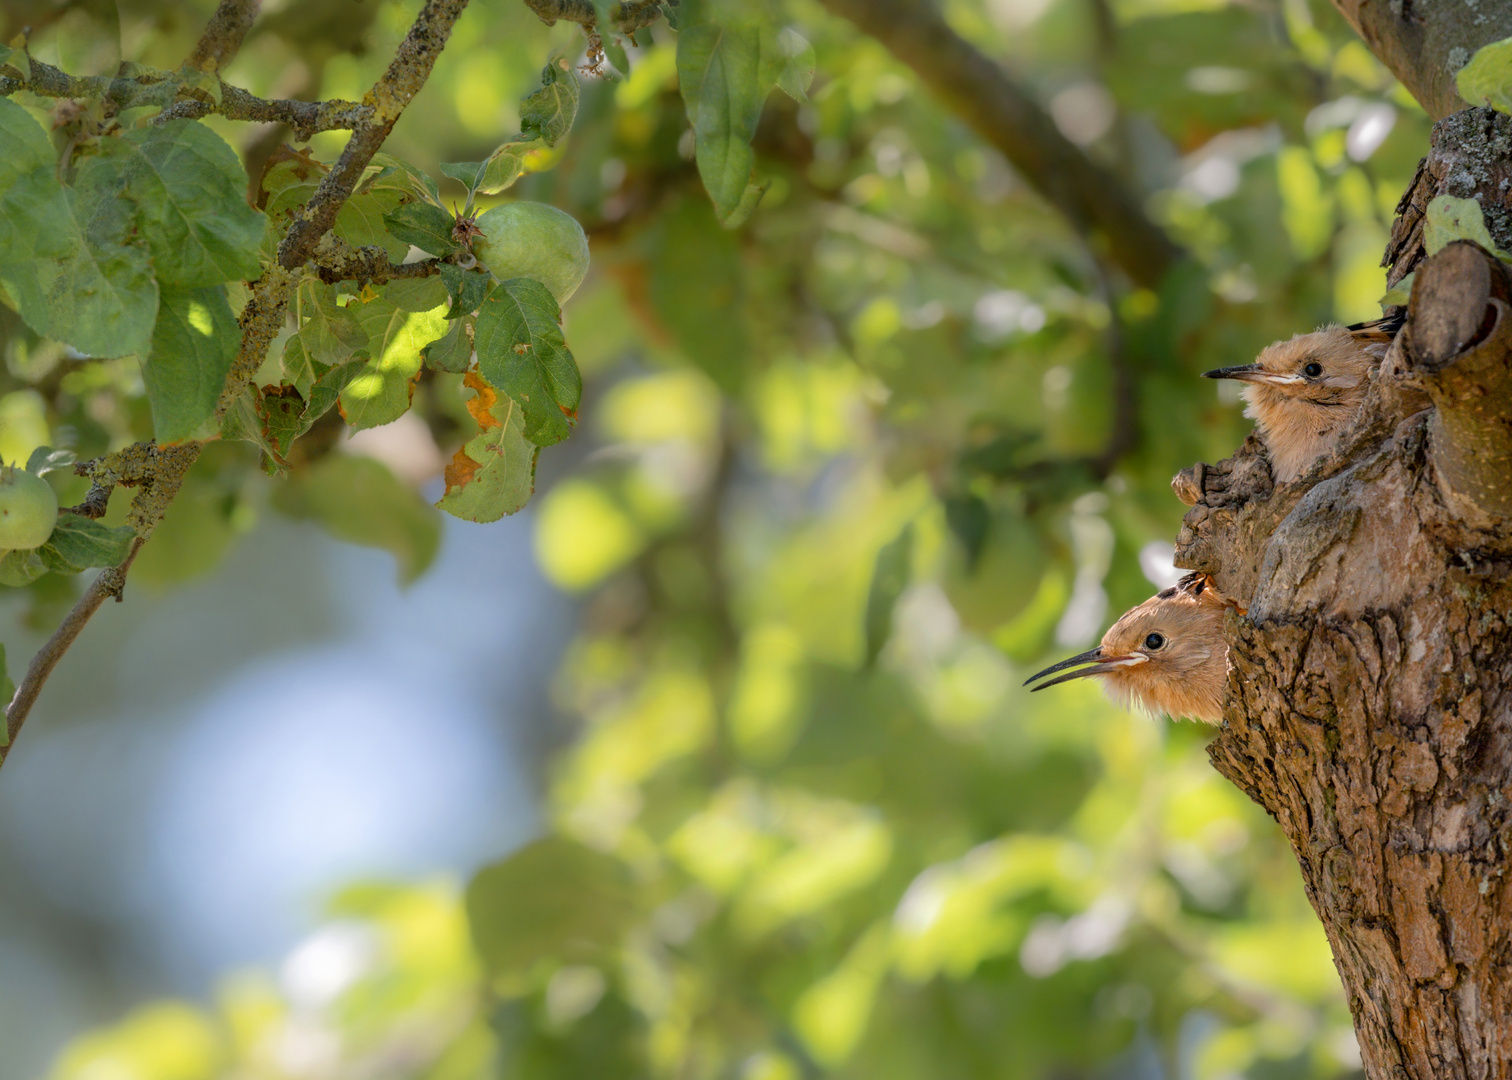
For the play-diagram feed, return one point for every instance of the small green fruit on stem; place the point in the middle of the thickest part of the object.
(28, 509)
(534, 240)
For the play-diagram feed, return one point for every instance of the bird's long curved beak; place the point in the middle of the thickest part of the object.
(1100, 664)
(1251, 373)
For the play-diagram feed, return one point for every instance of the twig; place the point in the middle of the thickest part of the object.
(305, 117)
(108, 583)
(629, 15)
(369, 266)
(160, 470)
(1096, 201)
(224, 34)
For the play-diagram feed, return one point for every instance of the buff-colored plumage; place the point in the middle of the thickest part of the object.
(1305, 392)
(1167, 655)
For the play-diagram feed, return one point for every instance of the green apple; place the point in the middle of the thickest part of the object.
(531, 239)
(28, 509)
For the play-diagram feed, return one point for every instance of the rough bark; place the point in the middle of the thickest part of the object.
(1425, 42)
(1370, 685)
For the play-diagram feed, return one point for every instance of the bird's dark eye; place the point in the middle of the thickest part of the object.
(1313, 370)
(1154, 641)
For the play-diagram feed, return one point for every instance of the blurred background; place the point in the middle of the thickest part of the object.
(730, 717)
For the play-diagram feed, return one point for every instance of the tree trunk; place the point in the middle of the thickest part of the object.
(1370, 685)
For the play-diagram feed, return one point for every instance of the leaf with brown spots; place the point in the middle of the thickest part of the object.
(494, 473)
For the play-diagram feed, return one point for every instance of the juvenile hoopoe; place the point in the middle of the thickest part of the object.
(1305, 392)
(1167, 655)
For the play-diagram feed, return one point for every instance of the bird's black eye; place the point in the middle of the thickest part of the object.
(1313, 370)
(1154, 641)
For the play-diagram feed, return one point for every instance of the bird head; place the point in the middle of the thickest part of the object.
(1305, 391)
(1168, 655)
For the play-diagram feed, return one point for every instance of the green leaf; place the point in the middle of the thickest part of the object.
(326, 391)
(191, 190)
(548, 113)
(17, 60)
(410, 178)
(381, 393)
(466, 173)
(44, 459)
(465, 289)
(493, 474)
(83, 542)
(18, 568)
(1487, 78)
(554, 900)
(361, 221)
(359, 500)
(726, 72)
(328, 332)
(521, 351)
(505, 165)
(193, 345)
(24, 144)
(889, 579)
(798, 63)
(1451, 219)
(73, 268)
(452, 352)
(415, 294)
(427, 227)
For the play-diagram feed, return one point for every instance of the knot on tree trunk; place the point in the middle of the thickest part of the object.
(1369, 701)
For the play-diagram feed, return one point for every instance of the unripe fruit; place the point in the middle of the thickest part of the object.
(531, 239)
(28, 509)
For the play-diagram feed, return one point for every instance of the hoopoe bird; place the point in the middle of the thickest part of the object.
(1168, 655)
(1305, 392)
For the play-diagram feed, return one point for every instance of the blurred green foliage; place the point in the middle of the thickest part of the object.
(808, 823)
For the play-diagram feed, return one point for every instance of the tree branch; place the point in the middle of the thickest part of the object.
(305, 117)
(629, 15)
(975, 88)
(1426, 42)
(160, 470)
(224, 34)
(405, 76)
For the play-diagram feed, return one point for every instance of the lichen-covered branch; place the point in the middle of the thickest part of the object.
(405, 76)
(970, 84)
(370, 265)
(1425, 42)
(629, 15)
(224, 34)
(305, 117)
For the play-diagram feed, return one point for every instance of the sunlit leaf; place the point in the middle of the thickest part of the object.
(193, 346)
(1487, 78)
